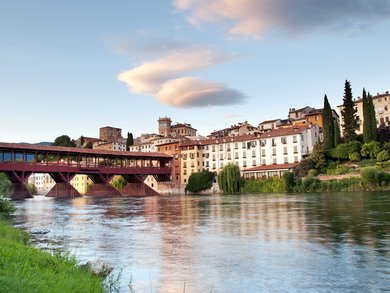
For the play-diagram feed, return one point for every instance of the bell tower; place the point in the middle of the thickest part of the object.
(164, 126)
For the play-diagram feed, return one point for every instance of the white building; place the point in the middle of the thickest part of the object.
(276, 147)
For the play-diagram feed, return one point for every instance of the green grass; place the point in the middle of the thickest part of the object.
(24, 268)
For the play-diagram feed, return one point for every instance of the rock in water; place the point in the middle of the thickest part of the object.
(98, 267)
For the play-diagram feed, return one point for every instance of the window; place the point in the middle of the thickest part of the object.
(244, 163)
(273, 142)
(244, 154)
(274, 151)
(295, 149)
(236, 155)
(286, 160)
(285, 151)
(262, 142)
(253, 154)
(221, 147)
(236, 145)
(254, 163)
(221, 156)
(213, 157)
(221, 166)
(295, 159)
(274, 161)
(283, 140)
(263, 153)
(213, 148)
(243, 145)
(294, 138)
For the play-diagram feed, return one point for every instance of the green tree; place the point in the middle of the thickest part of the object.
(369, 120)
(229, 179)
(336, 133)
(328, 125)
(5, 184)
(318, 156)
(119, 183)
(349, 114)
(373, 122)
(129, 141)
(200, 181)
(370, 149)
(65, 141)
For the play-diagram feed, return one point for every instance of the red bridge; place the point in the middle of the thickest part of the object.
(19, 161)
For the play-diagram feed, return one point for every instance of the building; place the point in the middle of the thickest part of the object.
(44, 183)
(382, 111)
(109, 133)
(242, 128)
(165, 128)
(269, 125)
(296, 114)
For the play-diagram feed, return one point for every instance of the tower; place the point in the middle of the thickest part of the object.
(164, 126)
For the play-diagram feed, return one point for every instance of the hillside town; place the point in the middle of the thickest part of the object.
(266, 150)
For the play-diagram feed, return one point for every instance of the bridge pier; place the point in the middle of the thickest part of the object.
(136, 186)
(18, 187)
(101, 186)
(63, 188)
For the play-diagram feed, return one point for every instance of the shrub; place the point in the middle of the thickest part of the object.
(200, 181)
(370, 149)
(354, 157)
(6, 207)
(312, 173)
(343, 150)
(338, 170)
(289, 181)
(303, 167)
(229, 179)
(369, 176)
(383, 156)
(266, 185)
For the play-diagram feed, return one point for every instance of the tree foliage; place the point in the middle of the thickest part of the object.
(369, 120)
(328, 125)
(229, 179)
(318, 156)
(129, 141)
(200, 181)
(303, 167)
(343, 150)
(336, 133)
(5, 185)
(65, 141)
(370, 149)
(119, 182)
(349, 114)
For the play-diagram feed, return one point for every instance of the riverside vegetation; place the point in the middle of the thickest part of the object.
(24, 268)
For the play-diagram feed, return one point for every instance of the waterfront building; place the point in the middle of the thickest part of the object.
(382, 111)
(242, 128)
(165, 128)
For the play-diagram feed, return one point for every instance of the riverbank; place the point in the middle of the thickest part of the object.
(24, 268)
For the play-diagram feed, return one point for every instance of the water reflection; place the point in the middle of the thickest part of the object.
(320, 242)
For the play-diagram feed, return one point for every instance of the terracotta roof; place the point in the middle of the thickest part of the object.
(273, 133)
(80, 151)
(272, 167)
(269, 121)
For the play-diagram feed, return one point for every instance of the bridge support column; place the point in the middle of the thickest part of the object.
(101, 186)
(136, 187)
(63, 188)
(18, 187)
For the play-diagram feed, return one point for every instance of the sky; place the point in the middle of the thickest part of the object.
(71, 67)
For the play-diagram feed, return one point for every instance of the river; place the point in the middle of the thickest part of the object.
(336, 242)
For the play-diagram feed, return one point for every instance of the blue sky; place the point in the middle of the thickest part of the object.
(71, 67)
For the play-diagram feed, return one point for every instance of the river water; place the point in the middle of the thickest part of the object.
(251, 243)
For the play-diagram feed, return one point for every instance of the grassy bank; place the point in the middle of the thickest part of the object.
(24, 268)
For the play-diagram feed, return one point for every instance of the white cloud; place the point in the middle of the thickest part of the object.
(193, 92)
(164, 79)
(255, 17)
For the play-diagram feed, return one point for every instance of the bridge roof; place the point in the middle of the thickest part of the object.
(24, 147)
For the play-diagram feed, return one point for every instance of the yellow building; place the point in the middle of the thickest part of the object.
(80, 182)
(191, 159)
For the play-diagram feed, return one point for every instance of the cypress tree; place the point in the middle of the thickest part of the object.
(373, 122)
(328, 125)
(336, 133)
(129, 141)
(349, 114)
(366, 118)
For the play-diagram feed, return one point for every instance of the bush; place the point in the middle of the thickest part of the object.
(312, 173)
(369, 176)
(370, 149)
(372, 177)
(338, 170)
(266, 185)
(343, 150)
(6, 207)
(354, 157)
(200, 181)
(289, 181)
(383, 156)
(229, 179)
(303, 167)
